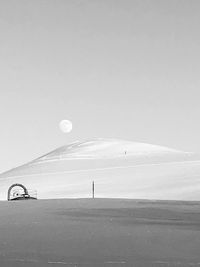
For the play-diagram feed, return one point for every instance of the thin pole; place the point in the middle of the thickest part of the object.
(93, 189)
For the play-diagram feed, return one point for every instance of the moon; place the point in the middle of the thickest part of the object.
(65, 126)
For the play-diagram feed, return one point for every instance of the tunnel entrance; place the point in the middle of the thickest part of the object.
(20, 192)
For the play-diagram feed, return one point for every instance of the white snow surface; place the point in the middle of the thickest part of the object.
(120, 169)
(104, 148)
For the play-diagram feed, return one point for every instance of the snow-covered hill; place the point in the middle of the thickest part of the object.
(121, 169)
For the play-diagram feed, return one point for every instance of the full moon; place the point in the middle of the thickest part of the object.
(65, 126)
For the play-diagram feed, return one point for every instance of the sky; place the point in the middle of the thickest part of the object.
(127, 69)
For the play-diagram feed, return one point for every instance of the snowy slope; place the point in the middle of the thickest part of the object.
(119, 168)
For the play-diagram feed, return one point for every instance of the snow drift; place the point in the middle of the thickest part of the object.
(120, 169)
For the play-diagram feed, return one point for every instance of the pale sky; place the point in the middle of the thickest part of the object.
(116, 68)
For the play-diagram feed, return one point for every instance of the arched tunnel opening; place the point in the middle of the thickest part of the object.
(19, 192)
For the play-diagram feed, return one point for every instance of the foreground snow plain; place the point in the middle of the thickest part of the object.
(99, 233)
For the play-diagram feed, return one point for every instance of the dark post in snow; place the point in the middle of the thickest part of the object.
(93, 189)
